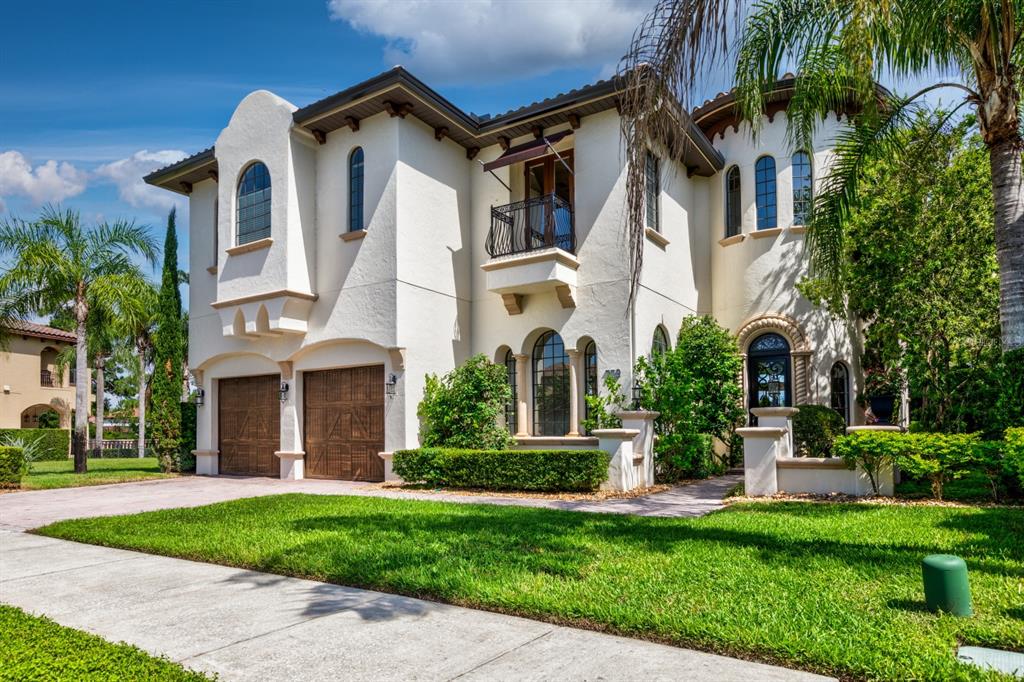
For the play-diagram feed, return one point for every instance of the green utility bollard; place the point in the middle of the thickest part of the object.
(945, 584)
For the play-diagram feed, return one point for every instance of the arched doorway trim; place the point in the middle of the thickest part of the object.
(800, 350)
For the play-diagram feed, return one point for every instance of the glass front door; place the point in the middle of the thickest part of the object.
(769, 373)
(549, 183)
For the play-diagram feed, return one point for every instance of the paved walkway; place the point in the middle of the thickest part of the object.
(245, 625)
(31, 509)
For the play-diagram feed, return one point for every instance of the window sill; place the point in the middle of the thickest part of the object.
(764, 234)
(656, 237)
(212, 269)
(264, 243)
(352, 236)
(729, 241)
(798, 229)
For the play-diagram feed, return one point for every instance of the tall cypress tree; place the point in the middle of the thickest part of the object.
(168, 356)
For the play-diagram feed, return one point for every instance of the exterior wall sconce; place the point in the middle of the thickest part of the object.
(200, 397)
(283, 392)
(636, 394)
(389, 385)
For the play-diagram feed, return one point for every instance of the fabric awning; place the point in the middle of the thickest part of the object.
(525, 152)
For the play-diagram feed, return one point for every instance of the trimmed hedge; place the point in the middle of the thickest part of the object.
(529, 470)
(1013, 453)
(815, 429)
(12, 466)
(56, 442)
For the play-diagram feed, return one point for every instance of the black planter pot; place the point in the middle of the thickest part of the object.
(883, 407)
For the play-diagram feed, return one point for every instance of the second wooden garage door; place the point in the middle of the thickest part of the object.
(344, 423)
(250, 425)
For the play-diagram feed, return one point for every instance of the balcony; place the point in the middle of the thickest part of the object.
(47, 379)
(532, 245)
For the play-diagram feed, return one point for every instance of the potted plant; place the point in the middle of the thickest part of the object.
(881, 389)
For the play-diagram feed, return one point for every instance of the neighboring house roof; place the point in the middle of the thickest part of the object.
(26, 328)
(401, 94)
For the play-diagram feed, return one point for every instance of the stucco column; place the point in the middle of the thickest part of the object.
(778, 417)
(522, 395)
(760, 450)
(291, 454)
(801, 374)
(575, 372)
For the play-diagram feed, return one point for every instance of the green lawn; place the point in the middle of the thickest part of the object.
(35, 648)
(44, 475)
(826, 587)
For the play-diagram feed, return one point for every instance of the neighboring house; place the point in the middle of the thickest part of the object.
(29, 381)
(342, 251)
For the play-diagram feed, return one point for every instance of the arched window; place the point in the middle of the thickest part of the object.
(803, 188)
(768, 370)
(659, 344)
(253, 210)
(355, 190)
(733, 208)
(764, 184)
(550, 386)
(48, 368)
(510, 407)
(839, 380)
(589, 374)
(652, 190)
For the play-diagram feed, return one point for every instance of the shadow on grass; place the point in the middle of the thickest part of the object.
(911, 605)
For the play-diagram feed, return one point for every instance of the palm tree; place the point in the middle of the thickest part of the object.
(137, 321)
(840, 49)
(54, 262)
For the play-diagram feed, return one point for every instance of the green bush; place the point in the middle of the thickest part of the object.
(815, 428)
(462, 408)
(872, 451)
(187, 443)
(530, 470)
(55, 443)
(679, 456)
(939, 457)
(1013, 454)
(12, 466)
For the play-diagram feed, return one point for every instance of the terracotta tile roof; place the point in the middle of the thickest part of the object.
(26, 328)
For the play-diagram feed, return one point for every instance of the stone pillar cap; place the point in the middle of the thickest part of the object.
(761, 432)
(774, 411)
(637, 414)
(286, 454)
(616, 433)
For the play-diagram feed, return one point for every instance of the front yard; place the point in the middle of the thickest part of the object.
(61, 474)
(834, 588)
(37, 648)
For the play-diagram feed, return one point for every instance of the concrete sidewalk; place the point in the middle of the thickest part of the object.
(32, 509)
(246, 625)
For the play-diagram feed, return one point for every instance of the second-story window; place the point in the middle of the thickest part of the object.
(253, 210)
(764, 177)
(355, 190)
(733, 207)
(652, 190)
(803, 188)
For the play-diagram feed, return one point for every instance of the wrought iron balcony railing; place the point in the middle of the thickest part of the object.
(537, 223)
(46, 378)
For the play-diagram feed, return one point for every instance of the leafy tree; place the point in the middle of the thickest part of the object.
(839, 50)
(168, 357)
(461, 409)
(919, 267)
(55, 261)
(695, 389)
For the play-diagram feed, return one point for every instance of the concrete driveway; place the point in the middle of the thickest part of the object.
(32, 509)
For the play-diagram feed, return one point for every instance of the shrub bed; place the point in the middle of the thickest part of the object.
(12, 466)
(528, 470)
(815, 429)
(56, 443)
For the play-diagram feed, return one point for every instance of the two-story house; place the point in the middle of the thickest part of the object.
(31, 384)
(342, 251)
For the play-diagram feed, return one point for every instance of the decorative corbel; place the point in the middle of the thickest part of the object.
(440, 133)
(353, 123)
(472, 152)
(574, 121)
(319, 135)
(504, 143)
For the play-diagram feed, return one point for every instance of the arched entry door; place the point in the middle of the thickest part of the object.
(769, 372)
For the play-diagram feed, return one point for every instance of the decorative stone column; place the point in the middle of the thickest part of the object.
(522, 396)
(642, 421)
(622, 471)
(801, 376)
(575, 372)
(207, 463)
(778, 417)
(206, 453)
(760, 450)
(291, 454)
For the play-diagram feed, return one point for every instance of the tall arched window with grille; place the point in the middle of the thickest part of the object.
(660, 342)
(252, 217)
(733, 207)
(764, 185)
(839, 382)
(510, 407)
(589, 375)
(803, 187)
(550, 386)
(355, 190)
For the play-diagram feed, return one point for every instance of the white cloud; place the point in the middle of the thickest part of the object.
(48, 182)
(477, 39)
(127, 175)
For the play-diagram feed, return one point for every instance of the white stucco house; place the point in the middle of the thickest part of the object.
(342, 251)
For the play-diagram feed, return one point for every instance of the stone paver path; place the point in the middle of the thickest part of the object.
(245, 625)
(32, 509)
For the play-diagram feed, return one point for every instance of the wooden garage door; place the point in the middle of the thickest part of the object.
(344, 423)
(249, 425)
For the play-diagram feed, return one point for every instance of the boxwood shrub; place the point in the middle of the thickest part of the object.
(1013, 453)
(528, 470)
(12, 466)
(56, 442)
(815, 428)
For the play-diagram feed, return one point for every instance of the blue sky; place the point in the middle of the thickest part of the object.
(94, 95)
